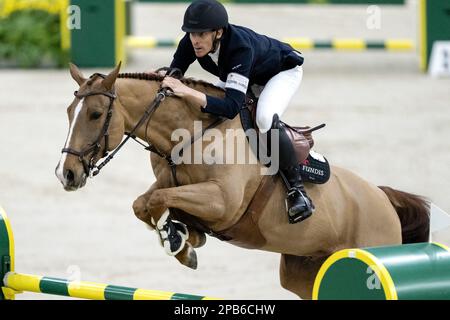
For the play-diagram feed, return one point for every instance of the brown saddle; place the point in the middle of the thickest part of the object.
(301, 137)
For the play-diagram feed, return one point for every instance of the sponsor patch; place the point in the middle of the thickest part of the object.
(315, 168)
(237, 82)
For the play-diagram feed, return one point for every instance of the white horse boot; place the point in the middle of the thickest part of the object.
(172, 233)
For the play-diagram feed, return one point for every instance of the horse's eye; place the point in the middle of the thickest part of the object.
(95, 115)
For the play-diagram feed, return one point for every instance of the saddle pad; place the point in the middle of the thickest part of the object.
(315, 168)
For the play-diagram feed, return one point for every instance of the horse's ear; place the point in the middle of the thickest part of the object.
(108, 82)
(76, 74)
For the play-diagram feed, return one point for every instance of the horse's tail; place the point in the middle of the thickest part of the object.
(414, 214)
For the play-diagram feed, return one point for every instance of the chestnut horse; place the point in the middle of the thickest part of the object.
(350, 212)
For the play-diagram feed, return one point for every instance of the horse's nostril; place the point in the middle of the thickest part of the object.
(69, 175)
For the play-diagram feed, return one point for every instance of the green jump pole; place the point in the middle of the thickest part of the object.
(419, 271)
(88, 290)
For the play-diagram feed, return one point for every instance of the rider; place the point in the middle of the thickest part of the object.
(244, 60)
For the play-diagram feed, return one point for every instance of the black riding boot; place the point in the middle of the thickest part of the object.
(299, 204)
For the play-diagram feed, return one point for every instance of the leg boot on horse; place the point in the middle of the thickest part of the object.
(177, 239)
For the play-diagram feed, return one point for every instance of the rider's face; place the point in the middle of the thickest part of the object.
(203, 41)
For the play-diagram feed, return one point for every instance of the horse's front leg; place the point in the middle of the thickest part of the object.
(149, 215)
(205, 200)
(141, 209)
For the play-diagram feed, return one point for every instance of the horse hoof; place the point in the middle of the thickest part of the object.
(192, 259)
(188, 257)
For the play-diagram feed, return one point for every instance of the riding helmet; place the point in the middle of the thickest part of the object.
(205, 15)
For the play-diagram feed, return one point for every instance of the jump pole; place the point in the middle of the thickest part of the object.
(12, 283)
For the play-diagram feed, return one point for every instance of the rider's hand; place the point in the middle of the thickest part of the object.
(179, 89)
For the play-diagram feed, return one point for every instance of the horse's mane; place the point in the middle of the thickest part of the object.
(153, 76)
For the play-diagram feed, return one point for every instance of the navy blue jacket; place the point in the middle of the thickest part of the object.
(245, 58)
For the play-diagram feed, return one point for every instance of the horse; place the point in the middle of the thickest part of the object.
(350, 212)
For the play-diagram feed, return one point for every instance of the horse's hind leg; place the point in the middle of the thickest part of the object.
(297, 274)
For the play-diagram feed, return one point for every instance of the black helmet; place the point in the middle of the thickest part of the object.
(205, 15)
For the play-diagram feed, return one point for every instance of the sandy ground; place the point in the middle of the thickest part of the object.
(386, 121)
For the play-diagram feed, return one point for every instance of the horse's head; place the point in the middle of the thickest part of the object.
(95, 127)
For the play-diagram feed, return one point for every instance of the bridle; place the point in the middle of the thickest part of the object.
(90, 168)
(94, 147)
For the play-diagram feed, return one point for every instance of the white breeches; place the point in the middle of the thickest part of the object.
(276, 95)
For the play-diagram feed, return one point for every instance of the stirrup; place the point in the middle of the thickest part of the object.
(308, 206)
(300, 216)
(292, 191)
